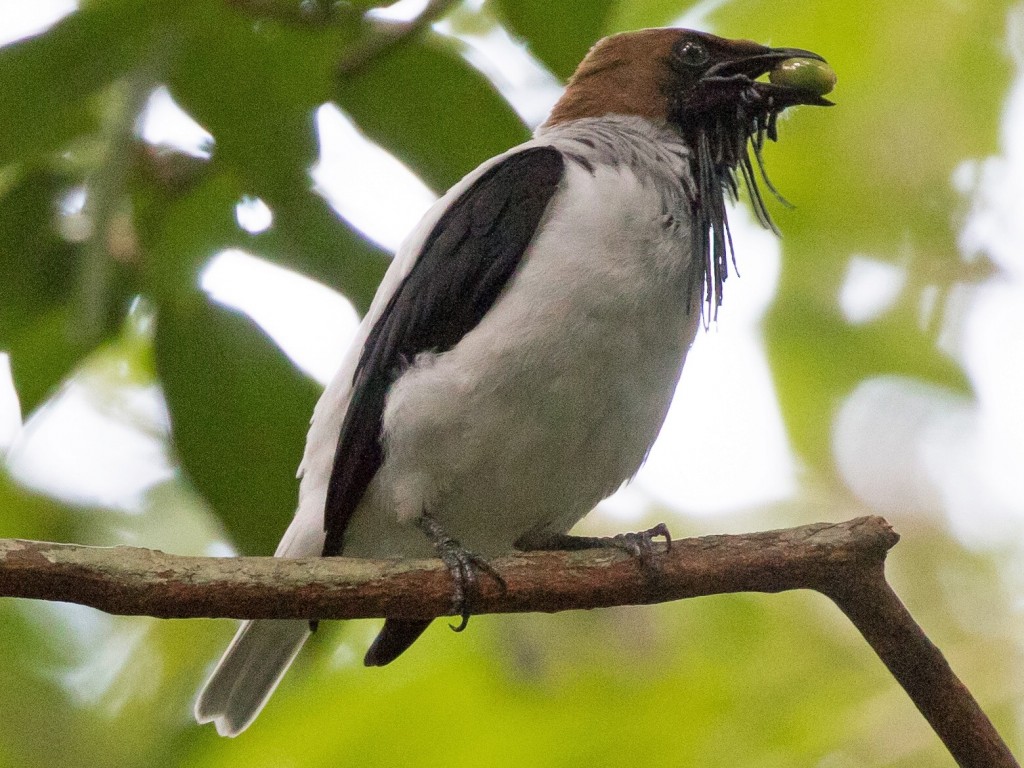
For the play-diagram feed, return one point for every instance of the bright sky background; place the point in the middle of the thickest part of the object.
(724, 447)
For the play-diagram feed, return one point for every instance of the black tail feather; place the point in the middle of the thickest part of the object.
(395, 637)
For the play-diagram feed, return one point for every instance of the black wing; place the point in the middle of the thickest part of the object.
(464, 265)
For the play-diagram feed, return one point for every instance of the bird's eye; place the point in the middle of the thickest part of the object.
(692, 54)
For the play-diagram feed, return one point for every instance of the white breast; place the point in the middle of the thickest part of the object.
(556, 396)
(554, 399)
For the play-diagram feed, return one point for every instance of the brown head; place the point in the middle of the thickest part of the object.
(674, 75)
(707, 89)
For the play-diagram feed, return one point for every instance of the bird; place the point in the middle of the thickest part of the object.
(519, 357)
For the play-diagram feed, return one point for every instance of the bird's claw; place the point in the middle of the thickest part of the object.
(640, 544)
(464, 567)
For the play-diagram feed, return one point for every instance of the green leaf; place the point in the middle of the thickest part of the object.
(183, 233)
(45, 81)
(39, 266)
(427, 106)
(558, 32)
(43, 353)
(40, 274)
(255, 88)
(640, 14)
(239, 413)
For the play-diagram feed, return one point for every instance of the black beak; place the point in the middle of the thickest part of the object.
(759, 62)
(753, 61)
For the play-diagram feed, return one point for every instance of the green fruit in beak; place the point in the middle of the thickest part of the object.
(810, 75)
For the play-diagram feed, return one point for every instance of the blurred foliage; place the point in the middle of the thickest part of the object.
(559, 46)
(739, 680)
(417, 123)
(252, 405)
(910, 115)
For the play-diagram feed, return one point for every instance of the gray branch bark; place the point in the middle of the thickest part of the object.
(844, 561)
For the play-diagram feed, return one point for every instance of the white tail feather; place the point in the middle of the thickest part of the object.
(248, 673)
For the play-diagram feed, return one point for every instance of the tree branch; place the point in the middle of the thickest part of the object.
(844, 561)
(386, 35)
(131, 581)
(880, 616)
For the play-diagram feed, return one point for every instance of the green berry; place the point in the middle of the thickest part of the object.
(810, 75)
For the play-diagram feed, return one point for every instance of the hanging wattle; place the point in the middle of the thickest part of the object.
(721, 146)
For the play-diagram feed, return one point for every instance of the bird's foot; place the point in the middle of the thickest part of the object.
(639, 544)
(464, 567)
